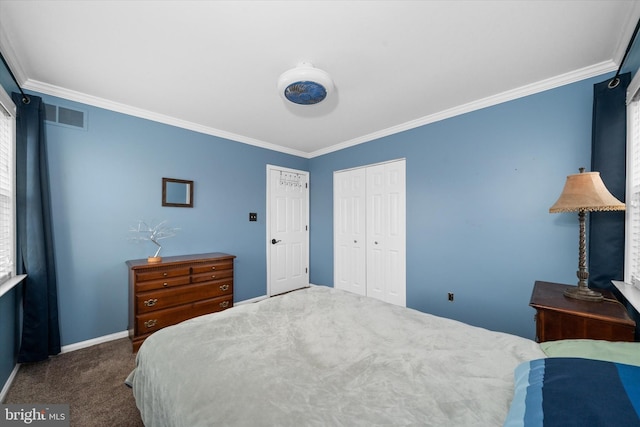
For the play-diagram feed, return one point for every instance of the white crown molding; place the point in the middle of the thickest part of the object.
(541, 86)
(83, 98)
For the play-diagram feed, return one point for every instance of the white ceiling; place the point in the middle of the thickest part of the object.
(213, 66)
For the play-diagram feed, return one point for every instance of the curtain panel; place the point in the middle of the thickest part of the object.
(608, 156)
(34, 256)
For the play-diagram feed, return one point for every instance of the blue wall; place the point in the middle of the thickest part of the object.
(104, 179)
(479, 187)
(9, 330)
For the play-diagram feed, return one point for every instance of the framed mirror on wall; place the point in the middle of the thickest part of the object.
(177, 193)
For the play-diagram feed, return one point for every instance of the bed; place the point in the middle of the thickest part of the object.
(324, 357)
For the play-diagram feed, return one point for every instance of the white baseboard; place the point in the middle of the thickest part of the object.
(7, 384)
(94, 341)
(252, 300)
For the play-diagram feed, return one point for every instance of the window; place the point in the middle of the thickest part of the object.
(632, 222)
(7, 187)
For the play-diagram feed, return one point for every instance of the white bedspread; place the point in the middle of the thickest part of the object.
(324, 357)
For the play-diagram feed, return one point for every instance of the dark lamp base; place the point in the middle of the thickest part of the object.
(583, 293)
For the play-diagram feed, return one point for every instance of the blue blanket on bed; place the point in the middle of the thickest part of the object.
(567, 392)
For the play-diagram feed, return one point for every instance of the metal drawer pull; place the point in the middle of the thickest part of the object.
(213, 268)
(165, 274)
(213, 276)
(150, 323)
(151, 302)
(165, 284)
(224, 304)
(224, 287)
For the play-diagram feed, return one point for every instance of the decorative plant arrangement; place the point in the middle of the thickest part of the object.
(153, 234)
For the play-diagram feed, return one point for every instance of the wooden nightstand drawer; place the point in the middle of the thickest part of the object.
(560, 317)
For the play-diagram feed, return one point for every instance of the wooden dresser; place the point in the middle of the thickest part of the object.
(559, 317)
(176, 289)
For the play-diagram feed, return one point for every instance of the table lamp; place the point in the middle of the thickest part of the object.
(585, 192)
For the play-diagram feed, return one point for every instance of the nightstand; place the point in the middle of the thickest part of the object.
(559, 317)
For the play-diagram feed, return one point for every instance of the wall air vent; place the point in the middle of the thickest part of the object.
(67, 117)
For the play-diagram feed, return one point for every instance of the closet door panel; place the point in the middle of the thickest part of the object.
(386, 272)
(376, 232)
(396, 233)
(376, 287)
(349, 231)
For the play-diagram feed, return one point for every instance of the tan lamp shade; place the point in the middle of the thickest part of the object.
(585, 191)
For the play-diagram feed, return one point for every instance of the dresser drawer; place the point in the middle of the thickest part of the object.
(226, 264)
(155, 320)
(158, 300)
(162, 273)
(150, 285)
(212, 275)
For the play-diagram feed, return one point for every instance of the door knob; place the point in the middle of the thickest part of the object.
(274, 241)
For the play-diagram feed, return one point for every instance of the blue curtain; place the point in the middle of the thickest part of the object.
(40, 328)
(608, 156)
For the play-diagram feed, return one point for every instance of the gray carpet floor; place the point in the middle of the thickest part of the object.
(89, 380)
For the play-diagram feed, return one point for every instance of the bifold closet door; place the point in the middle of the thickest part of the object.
(386, 224)
(349, 230)
(369, 231)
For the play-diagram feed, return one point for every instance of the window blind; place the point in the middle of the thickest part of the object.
(632, 220)
(7, 192)
(632, 263)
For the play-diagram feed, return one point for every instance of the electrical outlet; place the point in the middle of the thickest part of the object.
(253, 216)
(450, 296)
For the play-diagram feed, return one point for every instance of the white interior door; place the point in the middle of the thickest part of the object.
(287, 230)
(349, 206)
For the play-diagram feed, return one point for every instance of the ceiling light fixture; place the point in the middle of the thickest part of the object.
(305, 84)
